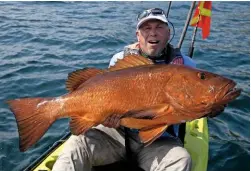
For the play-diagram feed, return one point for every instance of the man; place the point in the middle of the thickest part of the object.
(104, 145)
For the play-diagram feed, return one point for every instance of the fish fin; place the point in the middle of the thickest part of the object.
(147, 136)
(130, 61)
(150, 112)
(147, 117)
(76, 78)
(166, 118)
(79, 124)
(34, 116)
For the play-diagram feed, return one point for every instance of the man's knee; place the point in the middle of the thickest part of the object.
(182, 159)
(73, 156)
(183, 153)
(177, 158)
(165, 156)
(187, 160)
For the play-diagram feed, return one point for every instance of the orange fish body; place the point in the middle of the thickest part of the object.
(117, 93)
(148, 97)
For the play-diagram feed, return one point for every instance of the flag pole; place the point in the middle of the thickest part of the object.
(186, 24)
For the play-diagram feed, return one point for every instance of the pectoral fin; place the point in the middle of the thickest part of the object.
(147, 136)
(151, 112)
(149, 117)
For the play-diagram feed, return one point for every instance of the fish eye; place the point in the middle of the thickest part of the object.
(202, 75)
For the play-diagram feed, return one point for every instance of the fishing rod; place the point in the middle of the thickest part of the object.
(168, 10)
(186, 24)
(191, 48)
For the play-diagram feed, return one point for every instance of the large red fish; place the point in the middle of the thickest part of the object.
(148, 97)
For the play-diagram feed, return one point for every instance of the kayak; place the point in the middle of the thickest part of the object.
(195, 141)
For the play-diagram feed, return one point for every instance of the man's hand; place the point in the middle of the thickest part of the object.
(112, 121)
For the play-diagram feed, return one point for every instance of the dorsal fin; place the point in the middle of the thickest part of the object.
(76, 78)
(130, 61)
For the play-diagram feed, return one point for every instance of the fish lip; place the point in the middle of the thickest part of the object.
(232, 93)
(228, 92)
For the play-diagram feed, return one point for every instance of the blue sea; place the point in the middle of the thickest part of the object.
(41, 42)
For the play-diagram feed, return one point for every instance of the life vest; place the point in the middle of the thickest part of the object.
(170, 55)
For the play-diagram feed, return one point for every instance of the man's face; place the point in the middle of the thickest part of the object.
(152, 37)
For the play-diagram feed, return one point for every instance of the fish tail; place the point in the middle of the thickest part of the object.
(34, 116)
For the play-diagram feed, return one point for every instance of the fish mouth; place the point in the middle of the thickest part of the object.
(229, 92)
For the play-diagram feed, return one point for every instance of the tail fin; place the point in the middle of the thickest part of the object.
(34, 116)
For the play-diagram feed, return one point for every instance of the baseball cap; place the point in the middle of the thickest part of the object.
(150, 14)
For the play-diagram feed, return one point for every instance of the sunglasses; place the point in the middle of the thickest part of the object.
(154, 11)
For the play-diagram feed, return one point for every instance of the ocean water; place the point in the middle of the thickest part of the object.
(41, 42)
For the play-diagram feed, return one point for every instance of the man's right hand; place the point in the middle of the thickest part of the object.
(112, 121)
(217, 111)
